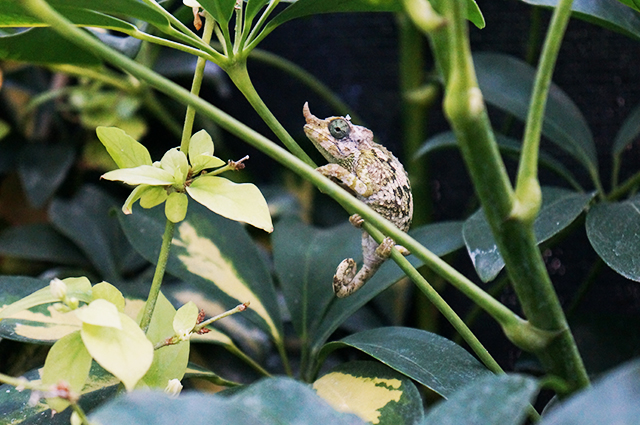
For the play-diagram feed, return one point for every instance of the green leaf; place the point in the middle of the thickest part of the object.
(614, 232)
(144, 174)
(302, 8)
(17, 408)
(68, 361)
(628, 132)
(152, 196)
(43, 168)
(100, 313)
(196, 372)
(214, 254)
(169, 362)
(272, 401)
(79, 288)
(201, 153)
(506, 145)
(126, 352)
(27, 46)
(608, 14)
(123, 149)
(175, 163)
(106, 291)
(176, 207)
(373, 392)
(240, 202)
(221, 10)
(185, 319)
(496, 399)
(435, 362)
(85, 219)
(560, 207)
(613, 399)
(506, 82)
(40, 242)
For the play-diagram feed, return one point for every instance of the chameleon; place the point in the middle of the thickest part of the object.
(373, 175)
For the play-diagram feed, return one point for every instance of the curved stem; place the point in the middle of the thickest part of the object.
(240, 77)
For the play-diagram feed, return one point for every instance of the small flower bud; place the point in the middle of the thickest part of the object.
(58, 288)
(173, 388)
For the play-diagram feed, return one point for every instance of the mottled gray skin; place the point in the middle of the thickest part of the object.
(374, 176)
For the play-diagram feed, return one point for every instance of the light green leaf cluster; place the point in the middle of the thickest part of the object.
(173, 177)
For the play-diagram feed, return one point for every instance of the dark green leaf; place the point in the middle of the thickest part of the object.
(497, 399)
(560, 207)
(214, 254)
(614, 232)
(85, 220)
(628, 132)
(312, 7)
(434, 361)
(268, 401)
(42, 169)
(27, 46)
(506, 145)
(612, 400)
(221, 10)
(372, 391)
(40, 242)
(507, 82)
(441, 238)
(609, 14)
(82, 12)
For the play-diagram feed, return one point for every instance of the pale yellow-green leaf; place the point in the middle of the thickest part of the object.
(154, 196)
(175, 162)
(204, 259)
(176, 207)
(107, 291)
(100, 312)
(203, 162)
(68, 361)
(135, 194)
(200, 144)
(125, 151)
(240, 202)
(358, 395)
(169, 362)
(126, 352)
(185, 319)
(78, 287)
(144, 174)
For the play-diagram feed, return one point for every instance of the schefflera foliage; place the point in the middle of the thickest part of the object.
(174, 176)
(101, 328)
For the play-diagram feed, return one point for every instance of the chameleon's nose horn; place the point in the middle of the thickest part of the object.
(308, 116)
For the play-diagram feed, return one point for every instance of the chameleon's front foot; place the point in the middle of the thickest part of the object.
(346, 281)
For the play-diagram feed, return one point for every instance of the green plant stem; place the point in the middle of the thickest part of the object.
(161, 265)
(196, 84)
(414, 115)
(627, 186)
(240, 77)
(510, 218)
(40, 9)
(80, 412)
(434, 297)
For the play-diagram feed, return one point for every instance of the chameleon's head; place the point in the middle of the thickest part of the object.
(336, 138)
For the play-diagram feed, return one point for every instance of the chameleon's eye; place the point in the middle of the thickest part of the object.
(339, 128)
